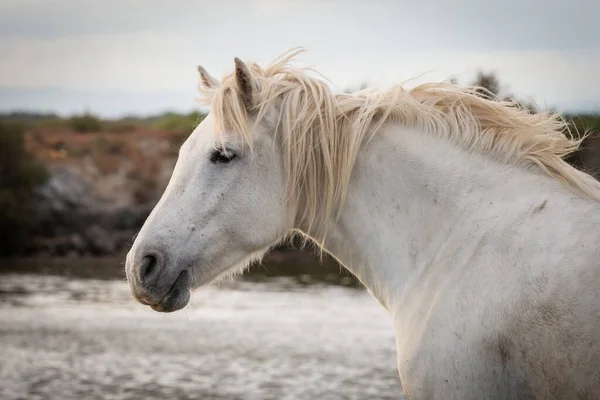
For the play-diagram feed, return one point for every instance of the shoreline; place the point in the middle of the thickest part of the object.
(299, 265)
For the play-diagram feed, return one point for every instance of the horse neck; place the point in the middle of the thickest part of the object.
(412, 195)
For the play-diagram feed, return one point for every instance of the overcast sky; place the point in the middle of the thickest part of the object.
(140, 56)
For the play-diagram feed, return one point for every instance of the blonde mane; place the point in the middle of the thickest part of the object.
(323, 132)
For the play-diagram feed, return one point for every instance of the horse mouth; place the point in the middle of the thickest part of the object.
(178, 295)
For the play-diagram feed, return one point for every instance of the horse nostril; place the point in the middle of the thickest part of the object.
(149, 264)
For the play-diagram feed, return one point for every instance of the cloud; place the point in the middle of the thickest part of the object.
(460, 24)
(545, 49)
(103, 62)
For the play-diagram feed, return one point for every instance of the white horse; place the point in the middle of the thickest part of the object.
(458, 213)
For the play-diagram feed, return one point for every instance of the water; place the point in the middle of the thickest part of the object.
(73, 338)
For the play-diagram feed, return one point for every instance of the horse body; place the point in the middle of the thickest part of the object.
(456, 212)
(484, 270)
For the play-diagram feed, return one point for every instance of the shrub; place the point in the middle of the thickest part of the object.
(85, 123)
(181, 124)
(585, 123)
(20, 173)
(51, 124)
(122, 125)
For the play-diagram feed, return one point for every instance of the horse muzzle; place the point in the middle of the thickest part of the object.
(152, 283)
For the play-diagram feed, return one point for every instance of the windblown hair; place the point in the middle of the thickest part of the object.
(323, 132)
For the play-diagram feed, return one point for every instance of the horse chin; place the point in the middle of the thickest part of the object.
(177, 297)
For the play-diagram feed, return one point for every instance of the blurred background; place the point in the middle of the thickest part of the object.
(95, 100)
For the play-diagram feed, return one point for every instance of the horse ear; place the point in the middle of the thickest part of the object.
(207, 79)
(245, 83)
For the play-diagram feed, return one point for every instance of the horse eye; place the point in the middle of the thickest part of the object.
(221, 156)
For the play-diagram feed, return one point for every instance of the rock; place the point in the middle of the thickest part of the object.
(72, 218)
(99, 241)
(124, 219)
(78, 243)
(82, 211)
(62, 204)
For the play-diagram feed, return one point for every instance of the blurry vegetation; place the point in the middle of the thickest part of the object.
(178, 123)
(170, 122)
(145, 142)
(587, 158)
(124, 125)
(103, 145)
(107, 153)
(27, 117)
(585, 123)
(488, 86)
(179, 126)
(85, 123)
(143, 178)
(20, 173)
